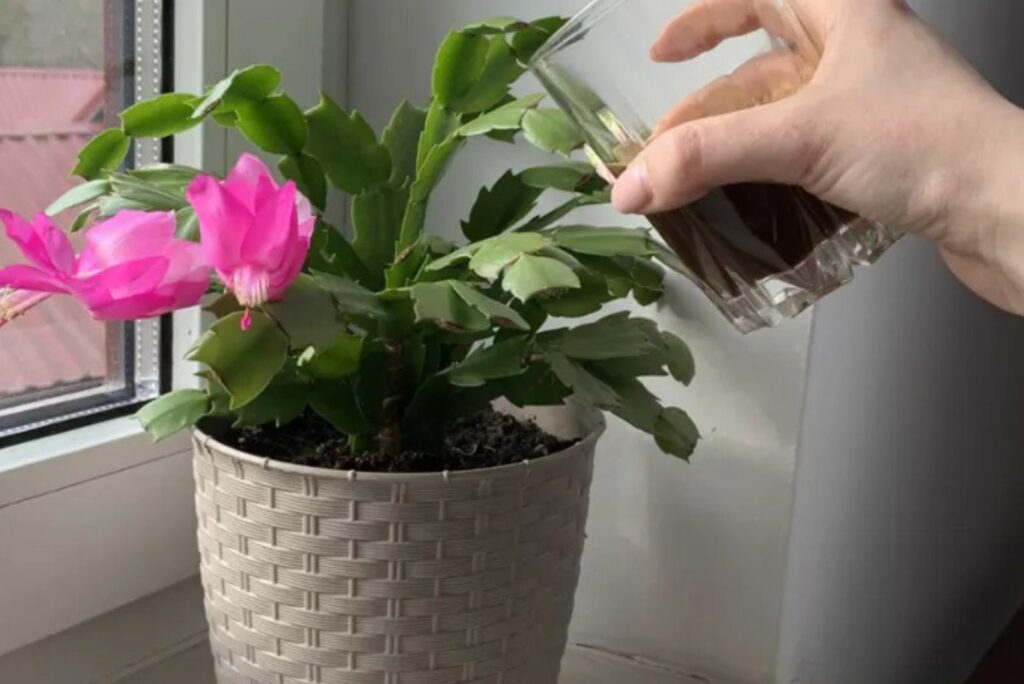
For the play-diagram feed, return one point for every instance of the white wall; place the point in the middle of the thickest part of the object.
(907, 554)
(684, 563)
(305, 40)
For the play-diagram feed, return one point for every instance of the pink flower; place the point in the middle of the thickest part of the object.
(131, 267)
(255, 233)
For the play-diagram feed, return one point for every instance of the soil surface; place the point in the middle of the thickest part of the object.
(482, 440)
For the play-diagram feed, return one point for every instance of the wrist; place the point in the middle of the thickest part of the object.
(982, 227)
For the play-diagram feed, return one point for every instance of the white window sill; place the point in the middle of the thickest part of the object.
(581, 666)
(48, 464)
(161, 639)
(90, 520)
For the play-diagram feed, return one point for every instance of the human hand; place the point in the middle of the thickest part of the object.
(869, 110)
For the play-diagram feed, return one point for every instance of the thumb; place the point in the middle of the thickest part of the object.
(774, 143)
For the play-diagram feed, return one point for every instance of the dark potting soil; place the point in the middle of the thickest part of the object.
(482, 440)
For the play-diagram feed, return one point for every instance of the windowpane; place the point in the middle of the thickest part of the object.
(66, 70)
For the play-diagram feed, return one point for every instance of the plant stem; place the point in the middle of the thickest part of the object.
(389, 439)
(545, 220)
(560, 212)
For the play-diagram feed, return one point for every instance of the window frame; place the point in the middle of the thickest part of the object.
(91, 406)
(61, 493)
(53, 410)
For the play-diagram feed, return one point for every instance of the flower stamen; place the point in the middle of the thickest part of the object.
(251, 286)
(15, 303)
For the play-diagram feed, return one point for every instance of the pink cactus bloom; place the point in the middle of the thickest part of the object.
(255, 233)
(132, 267)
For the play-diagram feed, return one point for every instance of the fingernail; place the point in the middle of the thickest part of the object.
(632, 192)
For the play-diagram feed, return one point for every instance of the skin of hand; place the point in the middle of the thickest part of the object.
(868, 109)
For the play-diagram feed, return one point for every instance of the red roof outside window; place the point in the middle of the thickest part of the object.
(46, 115)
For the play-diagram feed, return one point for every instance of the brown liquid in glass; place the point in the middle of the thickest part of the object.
(741, 234)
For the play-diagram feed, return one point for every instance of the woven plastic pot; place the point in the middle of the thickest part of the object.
(316, 575)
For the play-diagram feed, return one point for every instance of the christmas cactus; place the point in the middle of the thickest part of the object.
(389, 335)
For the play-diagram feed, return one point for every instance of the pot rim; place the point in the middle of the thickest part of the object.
(591, 419)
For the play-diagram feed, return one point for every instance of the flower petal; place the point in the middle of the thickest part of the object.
(122, 281)
(184, 294)
(282, 278)
(223, 222)
(306, 227)
(188, 277)
(245, 178)
(127, 236)
(30, 278)
(41, 241)
(145, 305)
(274, 228)
(185, 262)
(304, 208)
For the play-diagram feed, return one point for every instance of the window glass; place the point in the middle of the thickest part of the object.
(66, 70)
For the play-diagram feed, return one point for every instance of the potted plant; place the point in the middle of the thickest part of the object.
(374, 502)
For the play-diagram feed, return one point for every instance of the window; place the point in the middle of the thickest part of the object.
(66, 70)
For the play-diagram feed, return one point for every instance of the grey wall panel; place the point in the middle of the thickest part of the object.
(907, 553)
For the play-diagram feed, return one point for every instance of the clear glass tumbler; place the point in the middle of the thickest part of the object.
(761, 252)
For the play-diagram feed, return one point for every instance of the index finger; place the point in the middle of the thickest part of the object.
(703, 26)
(766, 78)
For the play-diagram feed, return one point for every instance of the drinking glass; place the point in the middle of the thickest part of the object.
(761, 252)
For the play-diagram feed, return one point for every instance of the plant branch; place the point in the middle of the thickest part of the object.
(555, 215)
(389, 439)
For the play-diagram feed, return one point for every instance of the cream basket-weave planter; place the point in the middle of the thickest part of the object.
(314, 575)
